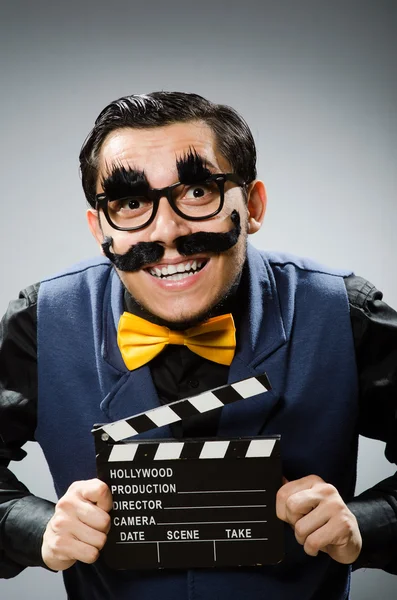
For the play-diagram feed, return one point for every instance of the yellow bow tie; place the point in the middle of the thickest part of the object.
(140, 341)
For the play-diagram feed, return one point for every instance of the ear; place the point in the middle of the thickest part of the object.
(95, 226)
(256, 205)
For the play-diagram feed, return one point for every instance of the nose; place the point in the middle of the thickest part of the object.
(167, 225)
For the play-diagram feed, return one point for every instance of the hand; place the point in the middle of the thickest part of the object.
(79, 526)
(320, 518)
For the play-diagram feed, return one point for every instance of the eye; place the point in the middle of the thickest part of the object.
(198, 191)
(132, 203)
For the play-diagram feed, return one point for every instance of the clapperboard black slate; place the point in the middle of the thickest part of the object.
(191, 503)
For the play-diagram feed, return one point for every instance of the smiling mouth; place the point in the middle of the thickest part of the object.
(178, 272)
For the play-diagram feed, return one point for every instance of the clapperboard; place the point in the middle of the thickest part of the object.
(192, 503)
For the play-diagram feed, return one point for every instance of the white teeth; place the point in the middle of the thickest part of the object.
(178, 276)
(177, 272)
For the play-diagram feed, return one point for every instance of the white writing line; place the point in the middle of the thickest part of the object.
(158, 552)
(220, 491)
(190, 541)
(232, 506)
(209, 522)
(214, 551)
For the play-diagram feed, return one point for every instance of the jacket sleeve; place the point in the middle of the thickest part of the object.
(23, 517)
(374, 326)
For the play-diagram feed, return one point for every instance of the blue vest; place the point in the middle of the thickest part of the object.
(296, 327)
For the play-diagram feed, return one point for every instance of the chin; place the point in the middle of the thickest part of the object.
(184, 321)
(177, 320)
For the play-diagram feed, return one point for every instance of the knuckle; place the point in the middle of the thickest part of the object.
(311, 547)
(66, 502)
(316, 479)
(280, 512)
(106, 521)
(300, 540)
(281, 494)
(57, 544)
(292, 503)
(91, 555)
(63, 506)
(100, 486)
(74, 487)
(329, 490)
(58, 522)
(102, 540)
(348, 525)
(105, 494)
(299, 530)
(102, 522)
(103, 486)
(59, 548)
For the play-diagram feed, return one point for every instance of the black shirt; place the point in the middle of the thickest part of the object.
(178, 373)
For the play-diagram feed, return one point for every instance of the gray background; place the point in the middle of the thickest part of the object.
(316, 81)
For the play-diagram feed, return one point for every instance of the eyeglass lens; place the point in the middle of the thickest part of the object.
(196, 200)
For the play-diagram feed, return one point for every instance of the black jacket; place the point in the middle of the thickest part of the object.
(178, 373)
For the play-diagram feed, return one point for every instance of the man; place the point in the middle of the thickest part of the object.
(171, 183)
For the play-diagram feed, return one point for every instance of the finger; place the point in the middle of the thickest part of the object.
(304, 483)
(296, 505)
(293, 487)
(323, 537)
(65, 528)
(330, 505)
(97, 491)
(339, 537)
(90, 536)
(93, 516)
(309, 523)
(74, 549)
(300, 504)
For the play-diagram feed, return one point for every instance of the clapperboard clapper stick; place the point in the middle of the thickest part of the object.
(192, 503)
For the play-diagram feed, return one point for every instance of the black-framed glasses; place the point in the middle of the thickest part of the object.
(194, 202)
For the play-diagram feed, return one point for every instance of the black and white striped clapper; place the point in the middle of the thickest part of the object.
(194, 502)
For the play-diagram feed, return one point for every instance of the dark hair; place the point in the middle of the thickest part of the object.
(233, 137)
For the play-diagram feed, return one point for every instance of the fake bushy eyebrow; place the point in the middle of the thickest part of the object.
(122, 181)
(192, 168)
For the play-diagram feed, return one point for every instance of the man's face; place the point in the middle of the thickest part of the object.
(156, 152)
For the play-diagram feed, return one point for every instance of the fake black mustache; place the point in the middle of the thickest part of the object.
(146, 253)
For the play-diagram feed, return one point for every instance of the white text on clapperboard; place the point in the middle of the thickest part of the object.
(136, 505)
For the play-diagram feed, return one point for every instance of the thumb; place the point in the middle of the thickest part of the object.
(98, 493)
